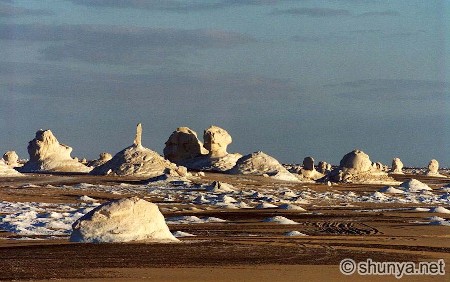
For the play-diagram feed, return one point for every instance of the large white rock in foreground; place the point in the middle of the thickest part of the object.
(260, 163)
(136, 160)
(48, 155)
(11, 159)
(124, 220)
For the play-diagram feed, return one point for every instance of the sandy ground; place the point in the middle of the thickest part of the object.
(244, 249)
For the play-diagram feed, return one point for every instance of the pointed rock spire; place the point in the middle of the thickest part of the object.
(138, 138)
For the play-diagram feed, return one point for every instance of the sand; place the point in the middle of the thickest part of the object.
(240, 248)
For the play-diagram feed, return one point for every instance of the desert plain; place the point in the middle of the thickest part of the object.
(219, 241)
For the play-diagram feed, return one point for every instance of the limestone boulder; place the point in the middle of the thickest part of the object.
(357, 161)
(48, 155)
(124, 220)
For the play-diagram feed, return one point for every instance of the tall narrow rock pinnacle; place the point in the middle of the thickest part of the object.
(138, 138)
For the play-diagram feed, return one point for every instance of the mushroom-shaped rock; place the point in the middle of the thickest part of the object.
(124, 220)
(259, 163)
(7, 171)
(216, 141)
(11, 158)
(136, 160)
(357, 161)
(48, 155)
(103, 158)
(397, 166)
(183, 144)
(183, 148)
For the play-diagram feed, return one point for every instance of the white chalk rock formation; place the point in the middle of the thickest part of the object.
(7, 171)
(11, 159)
(124, 220)
(357, 167)
(183, 144)
(184, 148)
(397, 166)
(309, 171)
(259, 163)
(136, 160)
(433, 169)
(103, 158)
(323, 167)
(216, 141)
(48, 155)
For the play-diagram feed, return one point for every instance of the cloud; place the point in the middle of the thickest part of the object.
(49, 81)
(7, 11)
(171, 5)
(313, 12)
(387, 13)
(392, 89)
(121, 45)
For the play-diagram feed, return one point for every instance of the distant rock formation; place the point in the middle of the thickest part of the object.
(259, 163)
(136, 160)
(216, 141)
(309, 171)
(124, 220)
(184, 148)
(48, 155)
(183, 144)
(433, 169)
(397, 166)
(356, 166)
(323, 167)
(11, 159)
(7, 171)
(103, 158)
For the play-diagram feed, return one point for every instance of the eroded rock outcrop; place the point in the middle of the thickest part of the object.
(124, 220)
(356, 166)
(433, 169)
(183, 144)
(216, 141)
(48, 155)
(260, 163)
(184, 148)
(309, 171)
(11, 159)
(323, 167)
(102, 159)
(7, 171)
(397, 166)
(136, 160)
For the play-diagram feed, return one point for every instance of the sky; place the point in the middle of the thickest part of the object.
(290, 78)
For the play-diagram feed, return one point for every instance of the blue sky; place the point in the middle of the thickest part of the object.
(290, 78)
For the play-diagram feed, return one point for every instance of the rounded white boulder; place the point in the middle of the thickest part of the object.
(124, 220)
